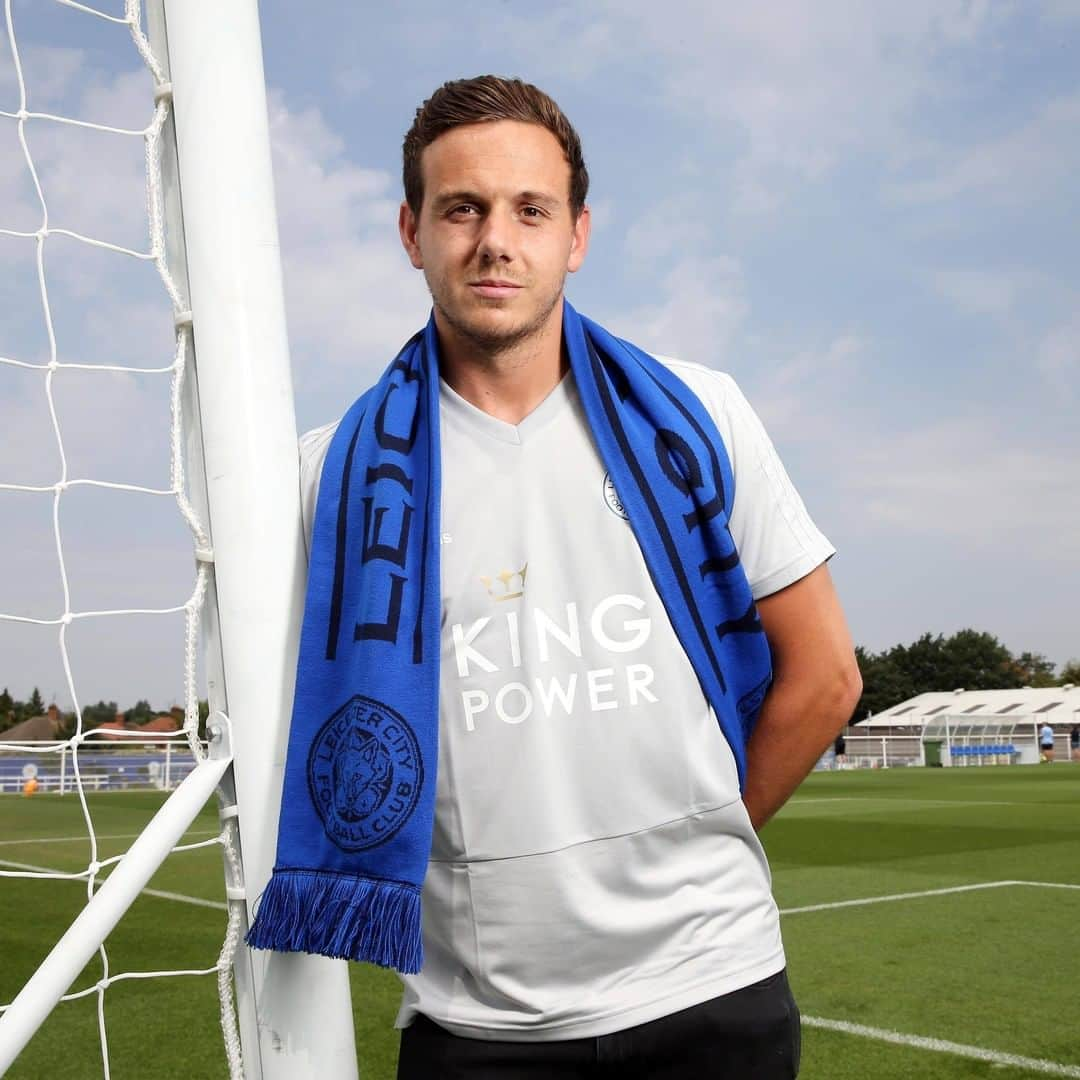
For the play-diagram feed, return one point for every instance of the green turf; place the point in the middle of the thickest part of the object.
(993, 968)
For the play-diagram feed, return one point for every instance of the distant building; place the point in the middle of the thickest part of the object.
(165, 723)
(1056, 705)
(43, 728)
(109, 730)
(47, 728)
(966, 726)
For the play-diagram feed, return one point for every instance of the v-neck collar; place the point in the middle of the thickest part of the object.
(495, 428)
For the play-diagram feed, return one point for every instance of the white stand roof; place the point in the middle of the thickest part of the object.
(1055, 704)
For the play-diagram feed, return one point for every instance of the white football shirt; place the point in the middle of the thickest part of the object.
(592, 866)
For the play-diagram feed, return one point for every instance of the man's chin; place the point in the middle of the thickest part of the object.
(494, 327)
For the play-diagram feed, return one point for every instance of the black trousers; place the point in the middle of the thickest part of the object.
(751, 1034)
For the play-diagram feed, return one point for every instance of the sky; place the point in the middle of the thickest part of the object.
(866, 213)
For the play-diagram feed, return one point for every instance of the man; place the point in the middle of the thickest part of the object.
(596, 901)
(1046, 742)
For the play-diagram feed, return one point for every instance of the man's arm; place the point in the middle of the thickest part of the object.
(816, 684)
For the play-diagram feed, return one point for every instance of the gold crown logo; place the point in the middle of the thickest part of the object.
(507, 581)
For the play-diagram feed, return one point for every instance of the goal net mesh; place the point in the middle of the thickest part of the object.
(93, 366)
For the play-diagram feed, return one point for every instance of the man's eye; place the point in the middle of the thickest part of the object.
(532, 212)
(464, 210)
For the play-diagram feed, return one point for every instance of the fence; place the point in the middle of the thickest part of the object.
(881, 751)
(136, 765)
(972, 749)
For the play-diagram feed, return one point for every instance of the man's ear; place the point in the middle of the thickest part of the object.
(579, 244)
(407, 231)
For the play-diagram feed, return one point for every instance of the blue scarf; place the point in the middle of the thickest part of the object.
(359, 797)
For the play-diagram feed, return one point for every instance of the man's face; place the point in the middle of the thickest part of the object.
(495, 236)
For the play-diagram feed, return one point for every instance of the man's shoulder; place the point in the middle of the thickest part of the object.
(314, 443)
(717, 390)
(313, 446)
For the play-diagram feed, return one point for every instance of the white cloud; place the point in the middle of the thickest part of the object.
(49, 72)
(1062, 11)
(787, 90)
(810, 393)
(352, 82)
(121, 549)
(1058, 358)
(352, 297)
(93, 182)
(702, 306)
(796, 88)
(1014, 167)
(790, 88)
(983, 292)
(672, 225)
(971, 479)
(1025, 337)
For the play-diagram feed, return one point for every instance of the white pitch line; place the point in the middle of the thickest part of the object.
(904, 802)
(198, 901)
(863, 901)
(86, 836)
(161, 894)
(943, 1046)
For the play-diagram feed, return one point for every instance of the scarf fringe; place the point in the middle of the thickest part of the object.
(340, 916)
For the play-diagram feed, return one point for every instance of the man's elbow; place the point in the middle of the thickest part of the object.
(846, 689)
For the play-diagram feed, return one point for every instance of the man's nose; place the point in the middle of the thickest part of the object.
(497, 235)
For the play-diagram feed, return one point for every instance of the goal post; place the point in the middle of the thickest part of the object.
(295, 1010)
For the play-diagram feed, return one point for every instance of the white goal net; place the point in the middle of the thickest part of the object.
(122, 461)
(97, 391)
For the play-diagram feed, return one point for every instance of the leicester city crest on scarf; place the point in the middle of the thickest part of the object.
(364, 774)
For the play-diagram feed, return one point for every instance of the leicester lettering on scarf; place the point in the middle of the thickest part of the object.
(354, 836)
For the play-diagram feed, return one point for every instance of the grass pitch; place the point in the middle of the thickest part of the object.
(965, 952)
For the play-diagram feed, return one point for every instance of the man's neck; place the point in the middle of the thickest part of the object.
(506, 383)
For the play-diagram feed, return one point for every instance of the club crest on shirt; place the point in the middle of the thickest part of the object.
(611, 497)
(364, 774)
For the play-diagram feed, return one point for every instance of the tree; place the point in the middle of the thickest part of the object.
(969, 659)
(1035, 670)
(1070, 673)
(7, 710)
(95, 715)
(35, 706)
(884, 683)
(67, 725)
(140, 712)
(978, 661)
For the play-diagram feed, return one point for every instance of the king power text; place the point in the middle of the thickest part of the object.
(564, 645)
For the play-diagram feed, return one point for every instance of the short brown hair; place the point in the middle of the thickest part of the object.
(477, 101)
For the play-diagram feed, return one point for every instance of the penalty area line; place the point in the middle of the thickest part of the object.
(864, 900)
(890, 801)
(161, 894)
(943, 1046)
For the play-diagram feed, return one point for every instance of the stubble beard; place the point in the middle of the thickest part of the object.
(487, 340)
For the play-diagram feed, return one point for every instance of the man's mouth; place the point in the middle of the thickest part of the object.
(493, 288)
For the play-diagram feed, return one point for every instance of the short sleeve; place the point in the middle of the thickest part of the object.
(313, 446)
(777, 540)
